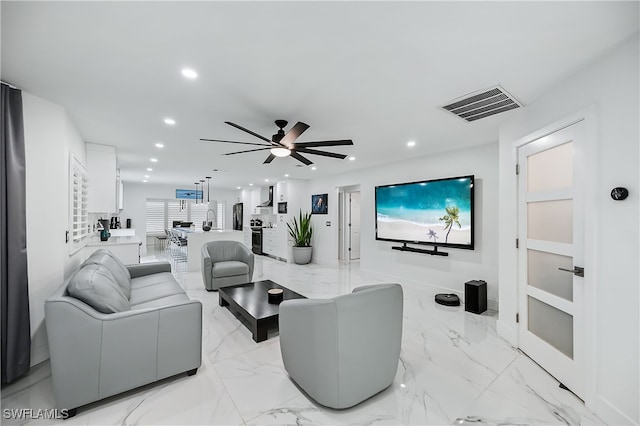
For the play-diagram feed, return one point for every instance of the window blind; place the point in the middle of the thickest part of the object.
(175, 212)
(199, 214)
(155, 213)
(79, 214)
(220, 219)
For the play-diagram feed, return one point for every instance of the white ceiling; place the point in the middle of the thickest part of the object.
(374, 72)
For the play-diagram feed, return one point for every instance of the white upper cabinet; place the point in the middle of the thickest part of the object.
(102, 166)
(255, 200)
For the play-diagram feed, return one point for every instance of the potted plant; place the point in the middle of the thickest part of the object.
(301, 231)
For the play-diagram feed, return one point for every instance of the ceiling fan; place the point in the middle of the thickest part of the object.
(284, 144)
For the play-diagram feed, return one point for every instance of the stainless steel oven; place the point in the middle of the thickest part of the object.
(256, 240)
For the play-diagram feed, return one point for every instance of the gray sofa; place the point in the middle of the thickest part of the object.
(112, 328)
(343, 350)
(226, 263)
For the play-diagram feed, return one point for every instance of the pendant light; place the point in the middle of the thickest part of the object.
(202, 196)
(208, 187)
(196, 184)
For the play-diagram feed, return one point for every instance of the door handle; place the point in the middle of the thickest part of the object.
(577, 271)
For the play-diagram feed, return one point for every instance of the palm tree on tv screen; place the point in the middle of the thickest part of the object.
(452, 217)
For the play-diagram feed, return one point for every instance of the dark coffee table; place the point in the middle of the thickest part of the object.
(250, 301)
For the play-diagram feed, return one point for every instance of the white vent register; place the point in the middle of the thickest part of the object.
(482, 104)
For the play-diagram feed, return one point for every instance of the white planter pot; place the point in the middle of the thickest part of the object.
(302, 255)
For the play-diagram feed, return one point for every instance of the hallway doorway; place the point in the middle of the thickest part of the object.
(349, 216)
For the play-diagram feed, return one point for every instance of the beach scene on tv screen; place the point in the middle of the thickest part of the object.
(429, 212)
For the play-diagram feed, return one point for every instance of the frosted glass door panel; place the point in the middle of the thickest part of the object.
(550, 221)
(551, 325)
(544, 274)
(550, 169)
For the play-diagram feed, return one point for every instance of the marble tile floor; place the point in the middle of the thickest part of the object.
(454, 369)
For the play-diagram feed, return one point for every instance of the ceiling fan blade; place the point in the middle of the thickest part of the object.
(269, 159)
(294, 133)
(300, 158)
(323, 153)
(249, 150)
(248, 131)
(243, 143)
(324, 143)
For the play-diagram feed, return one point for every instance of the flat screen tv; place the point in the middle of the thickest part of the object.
(435, 212)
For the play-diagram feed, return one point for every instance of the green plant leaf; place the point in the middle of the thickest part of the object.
(300, 230)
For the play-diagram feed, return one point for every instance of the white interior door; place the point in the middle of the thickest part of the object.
(551, 255)
(354, 225)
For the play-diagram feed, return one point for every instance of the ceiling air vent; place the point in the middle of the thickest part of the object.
(483, 103)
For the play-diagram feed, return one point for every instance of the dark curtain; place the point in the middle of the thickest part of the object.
(16, 329)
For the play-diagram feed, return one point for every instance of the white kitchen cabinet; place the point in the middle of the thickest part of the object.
(280, 195)
(247, 236)
(272, 242)
(102, 187)
(255, 200)
(281, 191)
(120, 192)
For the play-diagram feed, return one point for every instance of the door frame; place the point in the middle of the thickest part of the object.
(350, 224)
(342, 193)
(588, 161)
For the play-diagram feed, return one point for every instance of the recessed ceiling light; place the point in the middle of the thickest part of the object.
(149, 169)
(145, 181)
(266, 180)
(170, 121)
(352, 158)
(411, 144)
(153, 160)
(146, 176)
(159, 145)
(189, 73)
(314, 168)
(250, 184)
(237, 187)
(286, 175)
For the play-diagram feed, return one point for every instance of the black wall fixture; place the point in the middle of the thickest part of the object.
(619, 193)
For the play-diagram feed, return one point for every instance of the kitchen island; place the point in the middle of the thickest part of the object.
(195, 240)
(125, 248)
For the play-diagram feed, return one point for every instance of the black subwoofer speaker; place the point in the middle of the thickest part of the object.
(475, 296)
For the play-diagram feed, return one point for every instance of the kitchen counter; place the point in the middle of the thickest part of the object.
(94, 241)
(196, 239)
(125, 248)
(121, 232)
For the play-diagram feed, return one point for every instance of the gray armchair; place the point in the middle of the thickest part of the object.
(226, 263)
(344, 350)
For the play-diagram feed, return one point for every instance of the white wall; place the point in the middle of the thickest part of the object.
(377, 256)
(135, 198)
(50, 138)
(610, 85)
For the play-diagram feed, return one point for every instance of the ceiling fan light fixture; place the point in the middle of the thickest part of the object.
(280, 152)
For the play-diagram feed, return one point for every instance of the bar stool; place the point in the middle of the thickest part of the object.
(161, 241)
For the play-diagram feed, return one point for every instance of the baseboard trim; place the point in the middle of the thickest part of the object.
(39, 354)
(507, 332)
(610, 414)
